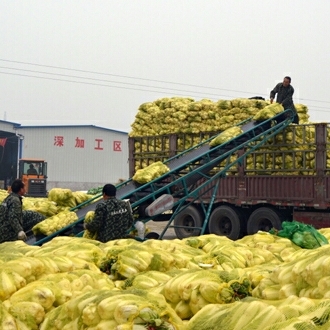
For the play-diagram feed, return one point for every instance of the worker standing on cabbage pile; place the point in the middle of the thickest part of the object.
(284, 92)
(11, 214)
(112, 218)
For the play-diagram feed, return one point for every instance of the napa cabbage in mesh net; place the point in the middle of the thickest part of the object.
(62, 197)
(225, 136)
(55, 223)
(269, 112)
(150, 173)
(88, 218)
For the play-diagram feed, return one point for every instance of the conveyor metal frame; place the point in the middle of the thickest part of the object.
(186, 169)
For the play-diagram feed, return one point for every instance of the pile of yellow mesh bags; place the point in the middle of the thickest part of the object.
(261, 281)
(291, 152)
(184, 115)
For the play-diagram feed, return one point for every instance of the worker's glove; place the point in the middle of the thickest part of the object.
(22, 236)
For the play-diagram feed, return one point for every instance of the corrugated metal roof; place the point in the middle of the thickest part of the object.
(71, 126)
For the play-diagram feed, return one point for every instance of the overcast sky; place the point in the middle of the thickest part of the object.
(101, 59)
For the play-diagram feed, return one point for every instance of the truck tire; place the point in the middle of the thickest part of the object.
(264, 219)
(226, 221)
(189, 217)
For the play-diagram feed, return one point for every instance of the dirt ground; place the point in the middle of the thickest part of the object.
(158, 227)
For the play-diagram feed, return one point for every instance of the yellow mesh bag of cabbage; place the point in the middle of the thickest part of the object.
(81, 197)
(225, 136)
(54, 223)
(315, 317)
(150, 172)
(240, 315)
(7, 321)
(3, 194)
(250, 313)
(53, 290)
(88, 218)
(131, 309)
(62, 197)
(42, 205)
(268, 112)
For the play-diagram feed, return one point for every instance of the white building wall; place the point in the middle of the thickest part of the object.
(78, 157)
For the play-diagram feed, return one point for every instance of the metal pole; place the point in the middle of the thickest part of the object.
(19, 151)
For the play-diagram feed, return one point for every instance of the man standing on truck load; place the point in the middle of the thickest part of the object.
(112, 217)
(11, 221)
(284, 92)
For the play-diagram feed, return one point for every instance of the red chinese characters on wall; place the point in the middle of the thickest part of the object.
(58, 141)
(116, 145)
(98, 144)
(80, 143)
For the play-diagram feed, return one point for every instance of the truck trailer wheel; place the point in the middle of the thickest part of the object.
(264, 219)
(189, 217)
(225, 221)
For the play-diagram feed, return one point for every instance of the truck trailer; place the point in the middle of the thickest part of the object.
(283, 180)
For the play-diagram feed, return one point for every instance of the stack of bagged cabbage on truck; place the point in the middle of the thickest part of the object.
(262, 281)
(185, 115)
(290, 152)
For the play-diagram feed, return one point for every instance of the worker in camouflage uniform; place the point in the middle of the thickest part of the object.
(11, 222)
(112, 217)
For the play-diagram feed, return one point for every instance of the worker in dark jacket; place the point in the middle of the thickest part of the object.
(11, 222)
(284, 92)
(112, 217)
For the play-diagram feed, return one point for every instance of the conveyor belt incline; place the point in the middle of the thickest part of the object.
(186, 169)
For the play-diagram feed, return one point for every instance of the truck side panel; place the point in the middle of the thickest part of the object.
(283, 190)
(327, 189)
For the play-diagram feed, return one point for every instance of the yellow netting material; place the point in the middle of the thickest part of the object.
(150, 173)
(225, 136)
